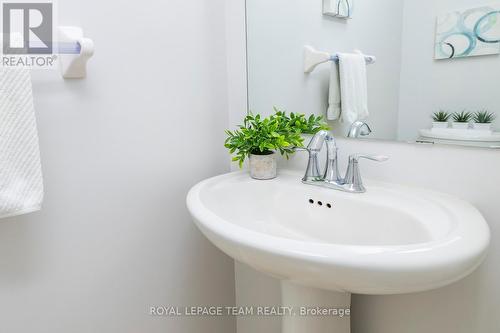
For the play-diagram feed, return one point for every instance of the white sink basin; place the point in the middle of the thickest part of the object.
(392, 239)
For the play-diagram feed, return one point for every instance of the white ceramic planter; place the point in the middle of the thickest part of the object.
(456, 125)
(482, 127)
(440, 124)
(263, 167)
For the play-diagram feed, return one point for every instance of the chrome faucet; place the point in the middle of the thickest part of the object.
(359, 128)
(352, 182)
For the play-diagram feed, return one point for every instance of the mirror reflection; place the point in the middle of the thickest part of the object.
(412, 70)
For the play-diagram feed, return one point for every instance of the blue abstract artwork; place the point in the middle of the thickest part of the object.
(468, 33)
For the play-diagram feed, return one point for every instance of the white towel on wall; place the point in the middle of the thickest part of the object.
(21, 185)
(353, 87)
(334, 100)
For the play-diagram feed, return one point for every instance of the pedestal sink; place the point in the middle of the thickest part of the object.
(324, 244)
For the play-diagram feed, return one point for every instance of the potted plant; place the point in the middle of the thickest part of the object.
(483, 120)
(440, 119)
(259, 139)
(461, 120)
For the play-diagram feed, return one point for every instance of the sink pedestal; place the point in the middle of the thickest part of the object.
(306, 302)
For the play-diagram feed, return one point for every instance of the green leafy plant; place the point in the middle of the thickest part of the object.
(484, 117)
(277, 133)
(304, 125)
(441, 116)
(462, 117)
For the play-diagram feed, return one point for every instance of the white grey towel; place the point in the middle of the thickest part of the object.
(21, 185)
(334, 101)
(353, 87)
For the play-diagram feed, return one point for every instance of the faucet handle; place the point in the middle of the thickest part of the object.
(353, 180)
(376, 158)
(318, 141)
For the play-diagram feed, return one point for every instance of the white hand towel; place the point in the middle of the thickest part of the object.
(21, 186)
(334, 106)
(353, 87)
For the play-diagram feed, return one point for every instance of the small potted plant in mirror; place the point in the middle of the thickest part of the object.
(483, 120)
(440, 119)
(461, 120)
(259, 139)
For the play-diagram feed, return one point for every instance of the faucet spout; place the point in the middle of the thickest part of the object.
(359, 128)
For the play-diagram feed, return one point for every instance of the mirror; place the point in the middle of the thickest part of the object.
(424, 59)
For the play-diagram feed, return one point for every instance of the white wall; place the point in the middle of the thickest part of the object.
(277, 32)
(428, 85)
(471, 305)
(120, 150)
